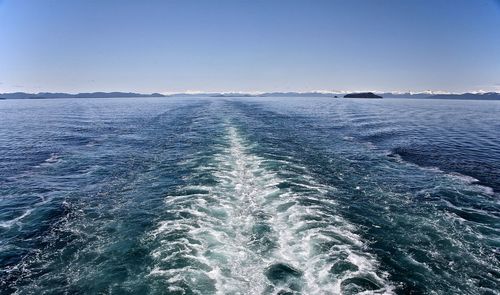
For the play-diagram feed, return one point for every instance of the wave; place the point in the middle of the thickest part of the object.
(11, 222)
(51, 160)
(469, 181)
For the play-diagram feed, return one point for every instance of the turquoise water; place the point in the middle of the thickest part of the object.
(249, 196)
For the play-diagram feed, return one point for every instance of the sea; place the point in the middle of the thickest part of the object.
(253, 195)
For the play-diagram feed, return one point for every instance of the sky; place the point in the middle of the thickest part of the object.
(249, 46)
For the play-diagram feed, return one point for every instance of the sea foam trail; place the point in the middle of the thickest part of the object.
(254, 232)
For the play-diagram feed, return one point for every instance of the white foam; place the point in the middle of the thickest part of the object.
(463, 178)
(54, 158)
(218, 231)
(10, 223)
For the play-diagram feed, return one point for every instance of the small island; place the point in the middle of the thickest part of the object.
(362, 95)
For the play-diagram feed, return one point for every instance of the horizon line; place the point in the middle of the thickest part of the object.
(199, 92)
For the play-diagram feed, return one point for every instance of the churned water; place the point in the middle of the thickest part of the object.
(249, 196)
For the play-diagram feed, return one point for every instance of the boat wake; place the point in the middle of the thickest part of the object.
(250, 230)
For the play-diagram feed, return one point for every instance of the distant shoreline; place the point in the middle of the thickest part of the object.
(54, 95)
(50, 95)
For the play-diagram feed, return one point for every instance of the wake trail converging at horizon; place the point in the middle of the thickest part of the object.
(248, 230)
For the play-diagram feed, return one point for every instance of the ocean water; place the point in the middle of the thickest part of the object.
(249, 196)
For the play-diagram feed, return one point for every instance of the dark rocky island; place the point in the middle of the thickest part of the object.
(362, 95)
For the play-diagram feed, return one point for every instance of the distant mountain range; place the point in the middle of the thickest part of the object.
(464, 96)
(475, 96)
(42, 95)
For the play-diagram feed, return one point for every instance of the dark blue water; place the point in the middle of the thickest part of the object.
(249, 196)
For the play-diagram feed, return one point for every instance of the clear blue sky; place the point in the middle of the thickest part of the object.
(218, 45)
